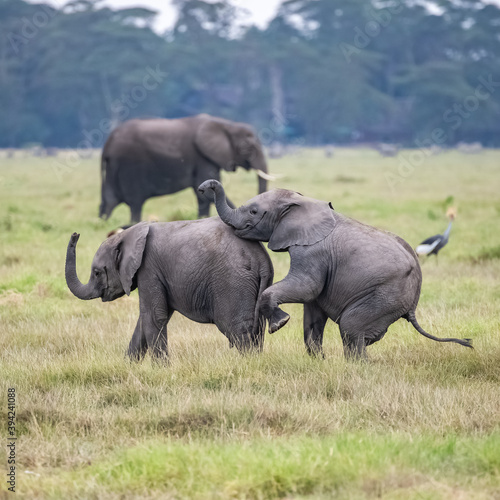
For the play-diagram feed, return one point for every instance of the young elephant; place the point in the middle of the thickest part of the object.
(199, 268)
(362, 278)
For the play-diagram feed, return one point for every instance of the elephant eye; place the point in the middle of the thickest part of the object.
(97, 272)
(253, 211)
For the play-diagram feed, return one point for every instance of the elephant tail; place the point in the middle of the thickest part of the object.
(104, 164)
(413, 320)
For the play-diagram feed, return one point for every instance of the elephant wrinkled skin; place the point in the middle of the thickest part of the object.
(362, 278)
(198, 268)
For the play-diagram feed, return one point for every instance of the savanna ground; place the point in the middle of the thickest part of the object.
(418, 420)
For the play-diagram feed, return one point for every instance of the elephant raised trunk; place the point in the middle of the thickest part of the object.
(215, 192)
(78, 289)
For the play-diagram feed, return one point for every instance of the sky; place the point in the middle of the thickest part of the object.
(260, 11)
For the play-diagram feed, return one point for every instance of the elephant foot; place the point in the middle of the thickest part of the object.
(278, 320)
(315, 352)
(160, 359)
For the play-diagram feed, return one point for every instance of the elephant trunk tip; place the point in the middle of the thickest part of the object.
(215, 192)
(74, 239)
(209, 188)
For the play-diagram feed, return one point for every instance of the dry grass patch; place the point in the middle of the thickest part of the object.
(417, 420)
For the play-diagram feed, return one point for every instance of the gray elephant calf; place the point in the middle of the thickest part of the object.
(362, 278)
(199, 268)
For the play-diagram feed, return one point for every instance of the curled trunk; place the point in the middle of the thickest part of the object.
(78, 289)
(228, 215)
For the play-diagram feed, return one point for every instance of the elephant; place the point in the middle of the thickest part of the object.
(198, 268)
(143, 158)
(362, 278)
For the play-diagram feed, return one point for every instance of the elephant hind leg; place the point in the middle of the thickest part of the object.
(314, 325)
(358, 330)
(354, 343)
(352, 331)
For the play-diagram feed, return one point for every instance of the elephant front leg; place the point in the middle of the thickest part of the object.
(138, 344)
(136, 212)
(314, 325)
(269, 309)
(155, 315)
(295, 288)
(156, 337)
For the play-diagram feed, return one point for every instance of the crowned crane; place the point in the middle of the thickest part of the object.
(432, 245)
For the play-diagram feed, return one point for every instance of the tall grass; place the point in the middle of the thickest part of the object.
(417, 420)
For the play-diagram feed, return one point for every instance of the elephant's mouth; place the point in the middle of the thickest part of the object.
(110, 295)
(105, 293)
(249, 226)
(242, 232)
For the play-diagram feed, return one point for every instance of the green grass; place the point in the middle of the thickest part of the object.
(418, 420)
(297, 466)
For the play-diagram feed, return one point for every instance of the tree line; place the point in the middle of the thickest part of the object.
(322, 71)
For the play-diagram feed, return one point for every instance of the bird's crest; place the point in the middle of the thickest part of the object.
(451, 213)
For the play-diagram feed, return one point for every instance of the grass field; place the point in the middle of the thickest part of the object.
(418, 420)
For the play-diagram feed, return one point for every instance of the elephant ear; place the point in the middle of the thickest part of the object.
(212, 141)
(303, 222)
(130, 249)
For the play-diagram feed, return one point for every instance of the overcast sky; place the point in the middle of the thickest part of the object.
(261, 11)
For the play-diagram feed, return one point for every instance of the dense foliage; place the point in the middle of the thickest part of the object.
(323, 71)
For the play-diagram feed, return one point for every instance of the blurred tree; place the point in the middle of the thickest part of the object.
(323, 70)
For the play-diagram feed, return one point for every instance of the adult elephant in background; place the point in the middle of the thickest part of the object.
(198, 268)
(154, 157)
(362, 278)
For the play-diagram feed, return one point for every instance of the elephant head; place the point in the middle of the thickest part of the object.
(229, 145)
(113, 268)
(283, 218)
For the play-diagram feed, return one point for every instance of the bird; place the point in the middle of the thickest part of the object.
(432, 245)
(118, 230)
